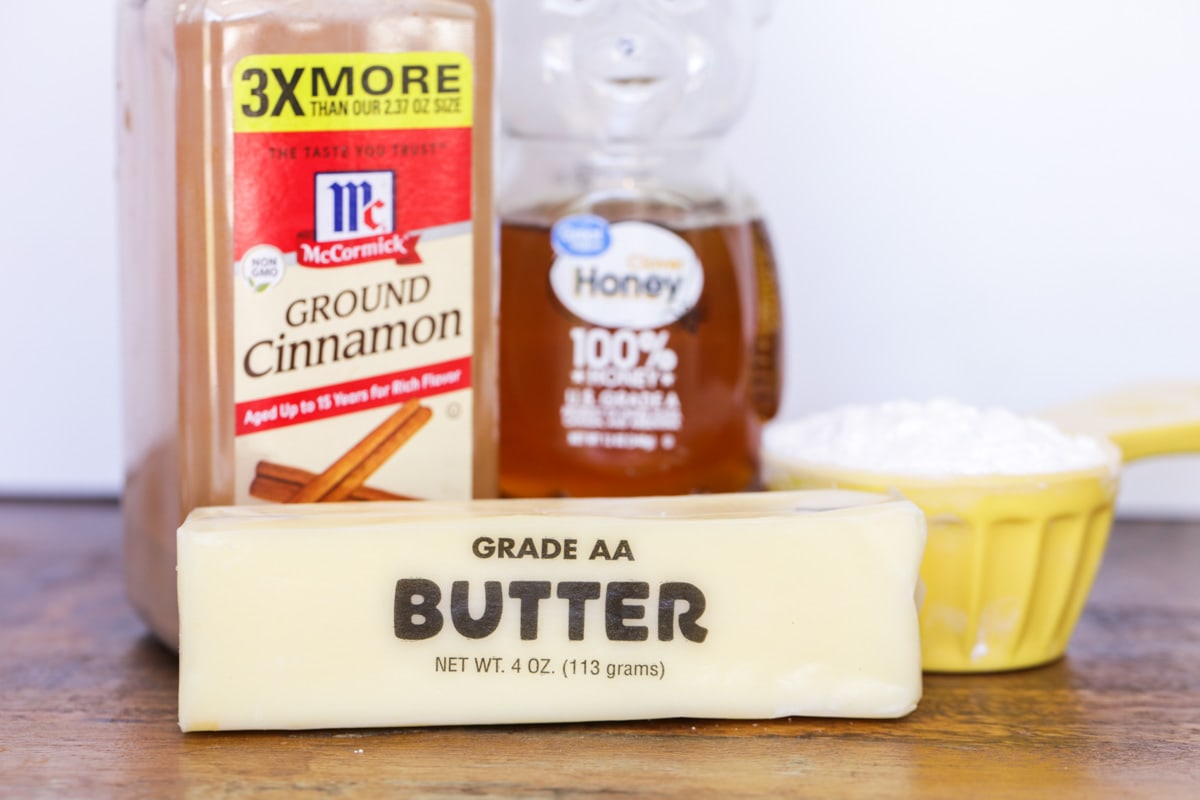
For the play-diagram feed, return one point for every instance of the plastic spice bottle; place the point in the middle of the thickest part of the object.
(639, 312)
(307, 260)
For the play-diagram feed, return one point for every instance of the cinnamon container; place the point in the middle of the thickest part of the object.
(307, 261)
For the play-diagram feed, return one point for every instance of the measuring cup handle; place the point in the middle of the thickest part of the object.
(1144, 420)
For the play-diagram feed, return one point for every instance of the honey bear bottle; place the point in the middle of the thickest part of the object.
(640, 323)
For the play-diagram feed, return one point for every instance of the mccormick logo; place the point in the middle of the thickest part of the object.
(355, 222)
(351, 205)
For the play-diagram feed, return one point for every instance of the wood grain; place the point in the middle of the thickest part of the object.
(87, 701)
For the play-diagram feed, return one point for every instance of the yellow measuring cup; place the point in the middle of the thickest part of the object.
(1010, 559)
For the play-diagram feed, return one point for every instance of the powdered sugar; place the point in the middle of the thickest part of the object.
(940, 438)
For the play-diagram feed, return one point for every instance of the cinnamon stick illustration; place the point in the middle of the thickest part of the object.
(353, 469)
(277, 483)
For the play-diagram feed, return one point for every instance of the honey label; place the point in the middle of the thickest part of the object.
(354, 276)
(629, 274)
(630, 281)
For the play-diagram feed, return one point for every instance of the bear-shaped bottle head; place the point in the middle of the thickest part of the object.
(626, 71)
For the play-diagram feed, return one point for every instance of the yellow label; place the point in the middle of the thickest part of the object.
(352, 92)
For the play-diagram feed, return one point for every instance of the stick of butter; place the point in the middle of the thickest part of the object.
(746, 606)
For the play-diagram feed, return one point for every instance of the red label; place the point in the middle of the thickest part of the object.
(282, 205)
(296, 408)
(395, 247)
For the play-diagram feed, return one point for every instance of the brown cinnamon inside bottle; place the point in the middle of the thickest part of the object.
(727, 381)
(178, 224)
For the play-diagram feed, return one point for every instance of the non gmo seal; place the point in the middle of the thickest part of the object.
(263, 267)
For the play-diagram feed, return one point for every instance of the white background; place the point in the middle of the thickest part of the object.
(995, 201)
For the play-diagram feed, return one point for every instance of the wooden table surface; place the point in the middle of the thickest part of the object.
(87, 708)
